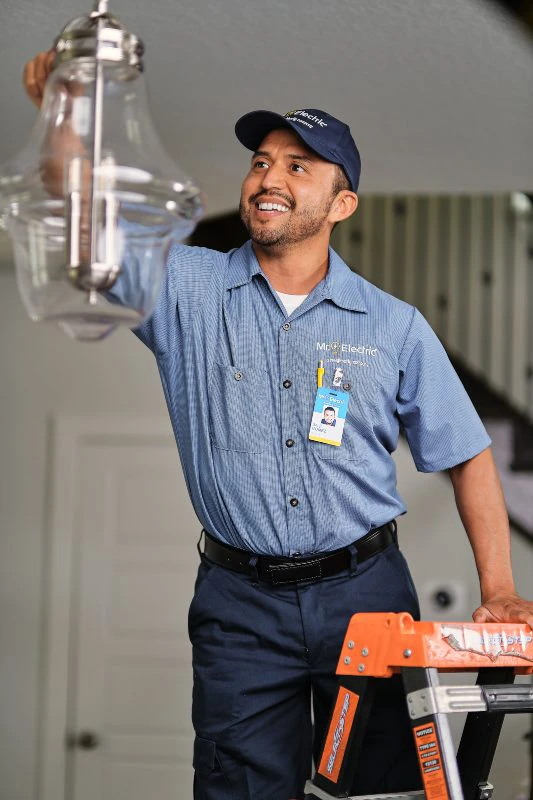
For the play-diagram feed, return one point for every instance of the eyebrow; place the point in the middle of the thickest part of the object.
(291, 156)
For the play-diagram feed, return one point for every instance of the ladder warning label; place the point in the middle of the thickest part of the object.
(427, 748)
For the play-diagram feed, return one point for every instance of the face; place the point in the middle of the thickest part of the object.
(287, 195)
(329, 416)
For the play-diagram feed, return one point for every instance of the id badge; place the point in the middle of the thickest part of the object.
(329, 416)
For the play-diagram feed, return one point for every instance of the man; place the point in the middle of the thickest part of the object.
(286, 560)
(329, 416)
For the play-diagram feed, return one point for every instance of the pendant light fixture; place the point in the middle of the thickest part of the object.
(93, 201)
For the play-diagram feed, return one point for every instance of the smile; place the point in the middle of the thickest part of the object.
(272, 207)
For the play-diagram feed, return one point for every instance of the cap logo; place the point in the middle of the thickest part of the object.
(296, 116)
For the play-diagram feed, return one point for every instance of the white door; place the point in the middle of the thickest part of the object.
(134, 562)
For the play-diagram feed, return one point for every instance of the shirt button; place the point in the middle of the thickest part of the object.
(290, 442)
(287, 326)
(238, 376)
(287, 384)
(294, 501)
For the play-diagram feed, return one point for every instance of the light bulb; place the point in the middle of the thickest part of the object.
(93, 201)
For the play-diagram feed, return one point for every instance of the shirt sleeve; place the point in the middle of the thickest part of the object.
(442, 426)
(184, 282)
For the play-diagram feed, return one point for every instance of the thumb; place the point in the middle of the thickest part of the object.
(482, 614)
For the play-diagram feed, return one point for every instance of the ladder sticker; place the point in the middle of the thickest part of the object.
(427, 748)
(338, 734)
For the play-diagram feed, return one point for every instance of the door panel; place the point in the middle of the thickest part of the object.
(130, 677)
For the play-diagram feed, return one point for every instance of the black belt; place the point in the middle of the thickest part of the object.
(279, 570)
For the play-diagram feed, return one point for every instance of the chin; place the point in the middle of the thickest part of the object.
(264, 236)
(265, 241)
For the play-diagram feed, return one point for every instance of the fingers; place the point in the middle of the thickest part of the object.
(525, 615)
(483, 614)
(41, 71)
(509, 610)
(31, 83)
(28, 80)
(36, 74)
(50, 58)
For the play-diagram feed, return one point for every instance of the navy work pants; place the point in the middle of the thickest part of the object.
(262, 655)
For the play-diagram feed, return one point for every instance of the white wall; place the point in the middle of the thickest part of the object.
(43, 373)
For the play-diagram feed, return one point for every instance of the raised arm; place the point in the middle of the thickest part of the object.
(61, 139)
(481, 505)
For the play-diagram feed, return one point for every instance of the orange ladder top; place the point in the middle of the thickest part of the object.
(380, 644)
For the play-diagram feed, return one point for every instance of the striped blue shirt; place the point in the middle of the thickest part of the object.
(240, 379)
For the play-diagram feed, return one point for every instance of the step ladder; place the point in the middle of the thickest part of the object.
(377, 646)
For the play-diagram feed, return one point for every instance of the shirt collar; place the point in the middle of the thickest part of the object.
(243, 265)
(340, 284)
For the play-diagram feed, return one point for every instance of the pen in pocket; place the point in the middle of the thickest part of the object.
(320, 374)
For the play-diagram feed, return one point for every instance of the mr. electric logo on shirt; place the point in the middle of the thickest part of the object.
(337, 348)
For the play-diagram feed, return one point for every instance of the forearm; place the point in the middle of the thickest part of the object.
(60, 146)
(481, 505)
(62, 142)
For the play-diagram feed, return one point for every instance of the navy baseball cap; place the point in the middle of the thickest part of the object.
(327, 136)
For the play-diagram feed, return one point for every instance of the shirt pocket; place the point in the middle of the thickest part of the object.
(344, 452)
(353, 446)
(238, 408)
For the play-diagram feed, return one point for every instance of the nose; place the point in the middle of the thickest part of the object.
(273, 177)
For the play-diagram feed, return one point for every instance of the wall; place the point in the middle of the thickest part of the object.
(42, 372)
(467, 263)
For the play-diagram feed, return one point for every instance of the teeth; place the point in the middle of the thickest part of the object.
(272, 207)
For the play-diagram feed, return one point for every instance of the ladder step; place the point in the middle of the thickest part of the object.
(505, 698)
(314, 793)
(511, 699)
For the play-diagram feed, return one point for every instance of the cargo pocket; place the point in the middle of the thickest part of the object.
(353, 446)
(204, 756)
(209, 778)
(238, 408)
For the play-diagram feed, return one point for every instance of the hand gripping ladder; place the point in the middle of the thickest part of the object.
(377, 646)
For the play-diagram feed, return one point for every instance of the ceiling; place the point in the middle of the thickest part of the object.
(438, 93)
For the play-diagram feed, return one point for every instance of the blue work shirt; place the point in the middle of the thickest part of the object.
(240, 379)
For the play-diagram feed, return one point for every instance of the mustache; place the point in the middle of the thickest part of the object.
(255, 197)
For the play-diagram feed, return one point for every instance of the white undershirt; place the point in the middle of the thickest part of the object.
(291, 301)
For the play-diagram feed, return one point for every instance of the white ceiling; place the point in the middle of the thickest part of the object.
(438, 93)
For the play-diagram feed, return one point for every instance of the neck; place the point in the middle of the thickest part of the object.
(294, 269)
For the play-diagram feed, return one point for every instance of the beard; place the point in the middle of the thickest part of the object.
(300, 224)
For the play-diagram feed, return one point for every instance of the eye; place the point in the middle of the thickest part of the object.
(259, 164)
(295, 167)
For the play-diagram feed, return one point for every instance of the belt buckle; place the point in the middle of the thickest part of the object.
(280, 574)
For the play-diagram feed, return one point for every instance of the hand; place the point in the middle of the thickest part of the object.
(36, 74)
(508, 607)
(62, 142)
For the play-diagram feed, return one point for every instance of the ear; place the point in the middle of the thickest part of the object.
(344, 205)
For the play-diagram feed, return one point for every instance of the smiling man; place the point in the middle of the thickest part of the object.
(299, 532)
(329, 416)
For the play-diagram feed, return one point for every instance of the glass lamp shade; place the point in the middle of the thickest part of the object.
(93, 201)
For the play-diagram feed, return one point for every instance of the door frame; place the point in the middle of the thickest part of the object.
(68, 434)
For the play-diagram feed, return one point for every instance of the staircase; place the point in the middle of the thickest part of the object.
(467, 264)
